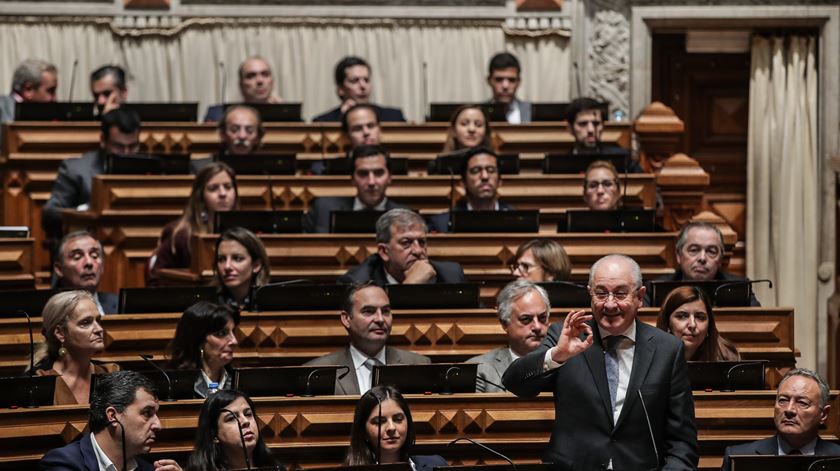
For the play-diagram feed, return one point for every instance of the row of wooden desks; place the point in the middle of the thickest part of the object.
(315, 431)
(292, 338)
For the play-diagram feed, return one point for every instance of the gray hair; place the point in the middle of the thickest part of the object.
(400, 218)
(635, 269)
(804, 372)
(513, 292)
(59, 253)
(682, 238)
(29, 71)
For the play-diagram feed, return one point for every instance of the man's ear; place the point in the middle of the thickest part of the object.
(57, 270)
(824, 414)
(345, 319)
(111, 414)
(339, 92)
(382, 250)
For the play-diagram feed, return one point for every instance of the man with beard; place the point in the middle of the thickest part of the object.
(370, 177)
(79, 264)
(523, 309)
(481, 179)
(123, 426)
(240, 132)
(366, 314)
(401, 255)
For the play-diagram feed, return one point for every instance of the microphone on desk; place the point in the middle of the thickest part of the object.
(820, 464)
(485, 447)
(426, 108)
(122, 433)
(748, 283)
(223, 83)
(275, 223)
(308, 392)
(451, 197)
(454, 370)
(31, 389)
(624, 192)
(241, 437)
(72, 80)
(378, 430)
(577, 81)
(650, 428)
(729, 375)
(148, 359)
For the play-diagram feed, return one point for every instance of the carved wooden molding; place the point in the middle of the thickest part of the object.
(682, 182)
(659, 131)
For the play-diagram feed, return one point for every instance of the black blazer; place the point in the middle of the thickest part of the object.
(78, 456)
(71, 188)
(770, 446)
(110, 302)
(584, 436)
(373, 269)
(317, 220)
(392, 115)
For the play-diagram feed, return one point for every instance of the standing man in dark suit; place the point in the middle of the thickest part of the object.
(401, 255)
(120, 134)
(366, 314)
(370, 176)
(801, 408)
(504, 79)
(481, 178)
(79, 264)
(123, 416)
(622, 399)
(353, 86)
(523, 309)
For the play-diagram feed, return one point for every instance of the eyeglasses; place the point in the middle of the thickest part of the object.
(619, 296)
(593, 185)
(523, 267)
(490, 169)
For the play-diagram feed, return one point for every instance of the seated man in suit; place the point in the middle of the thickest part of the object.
(699, 254)
(585, 118)
(401, 255)
(353, 86)
(240, 133)
(523, 309)
(256, 84)
(801, 408)
(120, 134)
(371, 178)
(108, 87)
(366, 314)
(481, 179)
(123, 417)
(33, 81)
(79, 264)
(622, 398)
(360, 125)
(503, 78)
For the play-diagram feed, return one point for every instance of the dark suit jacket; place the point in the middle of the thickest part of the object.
(770, 446)
(317, 220)
(584, 436)
(373, 269)
(678, 276)
(78, 456)
(349, 384)
(71, 188)
(214, 113)
(440, 222)
(393, 115)
(110, 302)
(428, 462)
(524, 110)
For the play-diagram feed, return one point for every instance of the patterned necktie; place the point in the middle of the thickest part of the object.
(611, 361)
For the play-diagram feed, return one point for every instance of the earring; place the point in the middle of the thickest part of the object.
(62, 352)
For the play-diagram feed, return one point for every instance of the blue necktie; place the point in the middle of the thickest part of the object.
(611, 361)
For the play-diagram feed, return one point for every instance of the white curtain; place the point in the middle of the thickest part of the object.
(185, 66)
(783, 188)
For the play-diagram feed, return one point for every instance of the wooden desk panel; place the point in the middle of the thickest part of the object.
(315, 431)
(17, 263)
(291, 338)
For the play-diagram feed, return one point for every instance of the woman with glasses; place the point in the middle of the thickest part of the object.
(205, 340)
(687, 315)
(600, 186)
(541, 260)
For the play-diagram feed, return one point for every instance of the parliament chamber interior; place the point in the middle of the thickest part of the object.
(315, 205)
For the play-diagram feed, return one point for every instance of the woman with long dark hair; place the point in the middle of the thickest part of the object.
(205, 340)
(687, 314)
(383, 432)
(241, 266)
(219, 444)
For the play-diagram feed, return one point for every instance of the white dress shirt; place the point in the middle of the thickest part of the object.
(514, 112)
(105, 463)
(359, 206)
(809, 449)
(362, 372)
